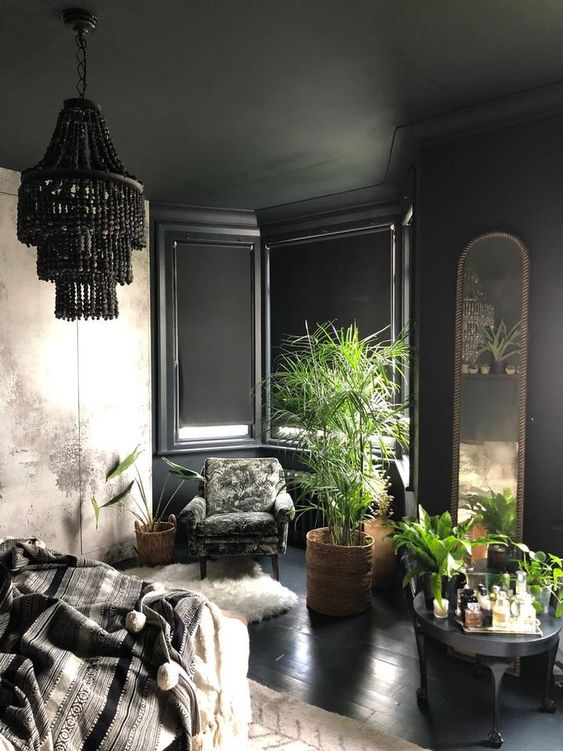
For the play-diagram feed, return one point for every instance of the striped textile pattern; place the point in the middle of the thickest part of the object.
(71, 675)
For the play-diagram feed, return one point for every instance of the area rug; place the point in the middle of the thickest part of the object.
(281, 722)
(236, 584)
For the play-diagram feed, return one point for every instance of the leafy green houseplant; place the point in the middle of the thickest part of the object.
(155, 534)
(544, 578)
(336, 396)
(495, 511)
(437, 548)
(501, 342)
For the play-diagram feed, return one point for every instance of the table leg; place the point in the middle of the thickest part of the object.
(548, 703)
(498, 668)
(422, 692)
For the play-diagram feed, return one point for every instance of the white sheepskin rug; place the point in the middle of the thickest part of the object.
(236, 584)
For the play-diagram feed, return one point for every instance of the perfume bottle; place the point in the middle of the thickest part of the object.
(521, 583)
(527, 612)
(473, 615)
(501, 611)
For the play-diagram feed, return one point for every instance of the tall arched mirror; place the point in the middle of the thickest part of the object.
(490, 384)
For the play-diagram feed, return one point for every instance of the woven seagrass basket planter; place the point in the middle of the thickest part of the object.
(338, 576)
(157, 548)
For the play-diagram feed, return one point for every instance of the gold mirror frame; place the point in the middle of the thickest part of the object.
(522, 373)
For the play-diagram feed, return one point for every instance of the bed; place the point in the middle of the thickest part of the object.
(93, 659)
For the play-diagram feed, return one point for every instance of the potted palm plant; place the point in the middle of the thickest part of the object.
(335, 394)
(501, 343)
(156, 534)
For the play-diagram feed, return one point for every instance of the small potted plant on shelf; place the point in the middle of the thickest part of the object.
(501, 343)
(335, 396)
(439, 551)
(156, 535)
(380, 528)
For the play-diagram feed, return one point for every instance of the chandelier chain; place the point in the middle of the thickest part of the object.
(81, 61)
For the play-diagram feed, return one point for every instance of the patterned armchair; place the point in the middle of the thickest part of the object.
(241, 509)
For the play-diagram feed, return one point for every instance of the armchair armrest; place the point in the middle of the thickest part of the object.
(284, 510)
(194, 513)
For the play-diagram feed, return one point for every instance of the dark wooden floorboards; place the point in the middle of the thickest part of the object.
(366, 667)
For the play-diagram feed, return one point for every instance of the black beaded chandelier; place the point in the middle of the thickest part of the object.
(79, 206)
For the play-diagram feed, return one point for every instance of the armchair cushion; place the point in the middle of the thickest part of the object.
(246, 524)
(194, 513)
(241, 484)
(284, 510)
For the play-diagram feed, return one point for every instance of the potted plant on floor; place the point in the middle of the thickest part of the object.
(156, 535)
(335, 395)
(380, 528)
(438, 551)
(501, 343)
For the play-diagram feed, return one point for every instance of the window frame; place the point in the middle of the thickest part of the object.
(168, 236)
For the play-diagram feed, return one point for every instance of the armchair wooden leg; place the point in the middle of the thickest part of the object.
(275, 567)
(203, 567)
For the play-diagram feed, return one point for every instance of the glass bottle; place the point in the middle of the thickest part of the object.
(494, 594)
(527, 612)
(521, 583)
(473, 615)
(501, 611)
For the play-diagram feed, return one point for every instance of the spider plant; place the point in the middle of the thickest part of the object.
(438, 548)
(140, 507)
(501, 342)
(336, 396)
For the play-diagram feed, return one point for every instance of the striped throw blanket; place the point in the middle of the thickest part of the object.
(72, 676)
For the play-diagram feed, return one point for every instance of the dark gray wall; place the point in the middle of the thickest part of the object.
(508, 179)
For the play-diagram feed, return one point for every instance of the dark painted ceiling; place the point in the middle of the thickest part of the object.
(254, 103)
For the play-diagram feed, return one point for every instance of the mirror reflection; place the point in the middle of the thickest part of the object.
(492, 365)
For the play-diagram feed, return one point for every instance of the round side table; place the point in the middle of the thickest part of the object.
(496, 651)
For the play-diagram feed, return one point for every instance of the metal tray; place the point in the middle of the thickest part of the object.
(513, 629)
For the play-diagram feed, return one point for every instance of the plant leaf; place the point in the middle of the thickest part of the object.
(96, 507)
(183, 472)
(119, 496)
(125, 464)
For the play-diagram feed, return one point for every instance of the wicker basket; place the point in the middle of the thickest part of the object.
(338, 576)
(157, 548)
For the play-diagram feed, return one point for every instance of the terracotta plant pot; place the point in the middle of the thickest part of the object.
(338, 576)
(384, 558)
(479, 552)
(157, 548)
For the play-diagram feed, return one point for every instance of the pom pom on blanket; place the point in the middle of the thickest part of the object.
(168, 675)
(135, 621)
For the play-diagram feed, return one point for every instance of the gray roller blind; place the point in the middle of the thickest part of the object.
(343, 278)
(214, 299)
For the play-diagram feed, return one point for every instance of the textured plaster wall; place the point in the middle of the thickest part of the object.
(74, 398)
